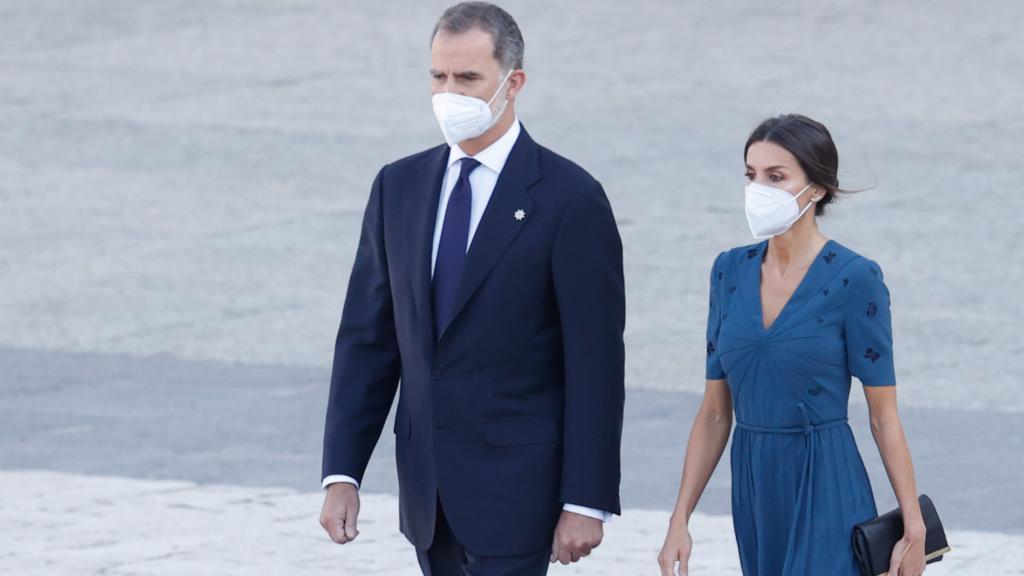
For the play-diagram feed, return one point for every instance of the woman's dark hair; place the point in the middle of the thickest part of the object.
(810, 142)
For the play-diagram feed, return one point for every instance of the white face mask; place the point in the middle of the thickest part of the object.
(772, 211)
(465, 117)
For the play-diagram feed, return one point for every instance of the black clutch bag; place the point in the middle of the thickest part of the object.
(873, 540)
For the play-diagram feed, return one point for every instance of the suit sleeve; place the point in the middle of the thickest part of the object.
(367, 365)
(590, 290)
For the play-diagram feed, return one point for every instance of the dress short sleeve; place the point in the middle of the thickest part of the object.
(714, 370)
(869, 327)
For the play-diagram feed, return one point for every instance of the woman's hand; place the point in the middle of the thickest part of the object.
(676, 549)
(908, 554)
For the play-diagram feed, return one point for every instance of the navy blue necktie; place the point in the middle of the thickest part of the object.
(451, 251)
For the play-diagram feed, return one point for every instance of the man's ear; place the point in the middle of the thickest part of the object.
(516, 81)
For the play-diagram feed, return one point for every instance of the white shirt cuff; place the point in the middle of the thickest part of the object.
(582, 510)
(335, 478)
(591, 512)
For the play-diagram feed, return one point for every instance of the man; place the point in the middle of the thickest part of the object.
(488, 279)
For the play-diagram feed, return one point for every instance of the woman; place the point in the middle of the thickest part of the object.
(791, 319)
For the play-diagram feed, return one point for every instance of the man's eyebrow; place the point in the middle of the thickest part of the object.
(465, 75)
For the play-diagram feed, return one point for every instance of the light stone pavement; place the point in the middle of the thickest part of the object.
(62, 524)
(181, 185)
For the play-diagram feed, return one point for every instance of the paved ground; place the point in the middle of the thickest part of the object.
(181, 184)
(61, 524)
(258, 425)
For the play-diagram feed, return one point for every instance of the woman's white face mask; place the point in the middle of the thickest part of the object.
(772, 211)
(465, 117)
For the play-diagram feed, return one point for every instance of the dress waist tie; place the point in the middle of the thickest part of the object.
(802, 524)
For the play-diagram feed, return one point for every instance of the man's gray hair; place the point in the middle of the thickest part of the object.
(508, 40)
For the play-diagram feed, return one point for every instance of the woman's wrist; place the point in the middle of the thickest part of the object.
(680, 518)
(914, 529)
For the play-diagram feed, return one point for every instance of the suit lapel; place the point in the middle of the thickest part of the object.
(498, 225)
(421, 214)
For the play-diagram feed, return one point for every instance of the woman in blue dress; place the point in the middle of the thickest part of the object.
(792, 318)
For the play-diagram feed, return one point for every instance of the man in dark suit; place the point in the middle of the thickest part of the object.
(488, 280)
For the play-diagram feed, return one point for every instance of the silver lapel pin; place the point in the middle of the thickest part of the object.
(519, 214)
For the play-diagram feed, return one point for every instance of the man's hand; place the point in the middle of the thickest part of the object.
(341, 509)
(575, 536)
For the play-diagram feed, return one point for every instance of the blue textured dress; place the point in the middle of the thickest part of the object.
(798, 481)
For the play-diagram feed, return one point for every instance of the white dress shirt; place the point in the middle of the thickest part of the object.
(482, 181)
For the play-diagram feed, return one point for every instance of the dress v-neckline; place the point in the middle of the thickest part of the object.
(792, 296)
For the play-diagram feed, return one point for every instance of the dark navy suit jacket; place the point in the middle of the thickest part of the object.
(517, 407)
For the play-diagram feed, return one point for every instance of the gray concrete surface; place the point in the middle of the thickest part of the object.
(260, 425)
(186, 177)
(181, 184)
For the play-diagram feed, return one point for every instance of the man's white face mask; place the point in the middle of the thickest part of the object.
(772, 211)
(465, 117)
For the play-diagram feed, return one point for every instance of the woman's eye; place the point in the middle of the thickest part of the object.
(749, 175)
(776, 178)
